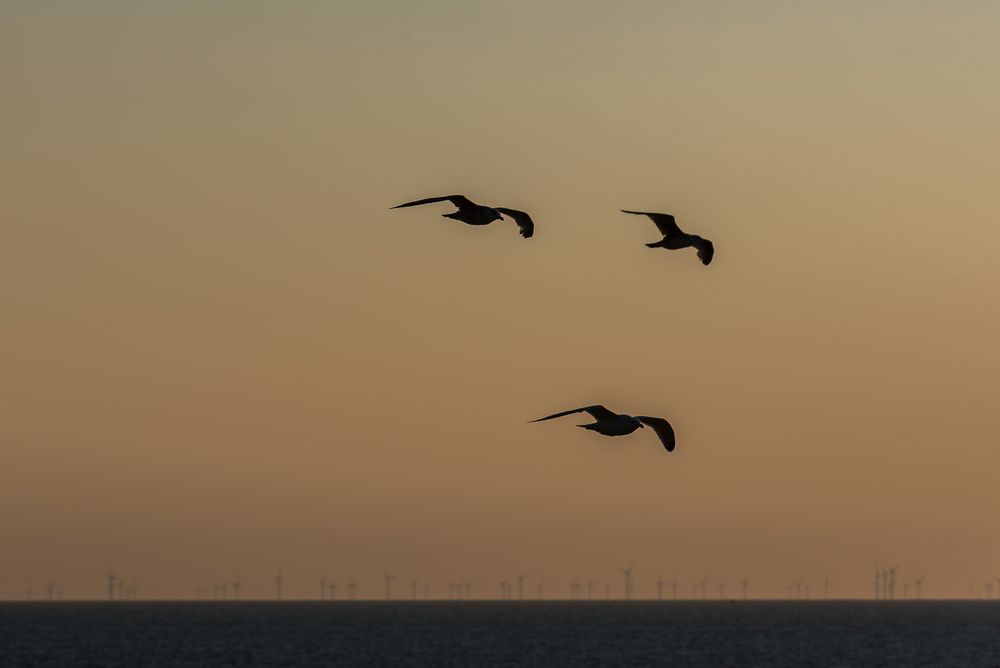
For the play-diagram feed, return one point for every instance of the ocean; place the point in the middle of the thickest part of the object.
(936, 634)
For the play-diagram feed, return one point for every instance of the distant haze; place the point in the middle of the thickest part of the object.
(223, 354)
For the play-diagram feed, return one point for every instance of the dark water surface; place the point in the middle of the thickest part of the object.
(926, 633)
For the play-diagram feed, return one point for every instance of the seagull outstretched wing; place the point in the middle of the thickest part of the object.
(664, 222)
(461, 201)
(662, 429)
(706, 251)
(597, 412)
(523, 220)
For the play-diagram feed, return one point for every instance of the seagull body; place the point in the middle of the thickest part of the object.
(609, 423)
(674, 238)
(471, 213)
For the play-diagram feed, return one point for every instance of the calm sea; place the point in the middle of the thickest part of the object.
(849, 634)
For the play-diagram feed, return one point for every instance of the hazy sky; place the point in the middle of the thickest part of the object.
(222, 352)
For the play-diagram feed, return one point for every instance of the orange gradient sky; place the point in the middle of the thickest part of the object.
(223, 354)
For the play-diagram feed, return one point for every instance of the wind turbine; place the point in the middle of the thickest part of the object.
(892, 581)
(112, 578)
(745, 585)
(467, 585)
(918, 586)
(722, 590)
(322, 587)
(627, 572)
(826, 586)
(279, 581)
(520, 587)
(503, 588)
(590, 589)
(659, 588)
(704, 584)
(427, 588)
(237, 587)
(388, 585)
(352, 589)
(673, 587)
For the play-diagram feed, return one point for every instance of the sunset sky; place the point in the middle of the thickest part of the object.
(223, 353)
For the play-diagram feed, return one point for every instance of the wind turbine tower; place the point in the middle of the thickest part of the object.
(590, 589)
(745, 585)
(659, 588)
(279, 583)
(388, 585)
(892, 581)
(918, 587)
(627, 572)
(112, 578)
(520, 587)
(237, 587)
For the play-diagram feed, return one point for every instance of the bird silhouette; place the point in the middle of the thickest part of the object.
(471, 213)
(674, 238)
(609, 423)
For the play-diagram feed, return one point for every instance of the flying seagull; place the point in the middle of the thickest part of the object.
(610, 423)
(471, 213)
(674, 238)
